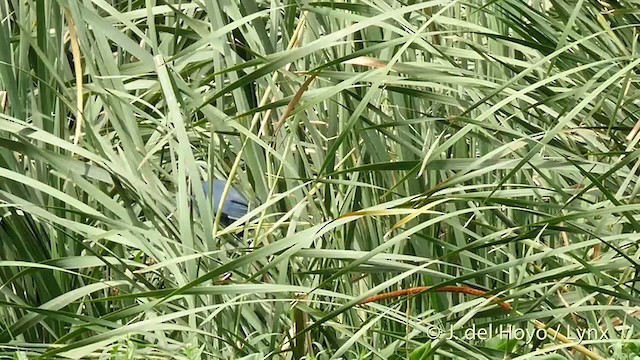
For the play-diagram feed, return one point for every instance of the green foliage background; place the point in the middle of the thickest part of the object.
(385, 144)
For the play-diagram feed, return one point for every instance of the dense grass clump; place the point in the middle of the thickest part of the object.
(429, 180)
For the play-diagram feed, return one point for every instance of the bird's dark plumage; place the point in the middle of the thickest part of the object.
(234, 206)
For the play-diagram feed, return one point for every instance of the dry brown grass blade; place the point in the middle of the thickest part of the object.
(294, 102)
(366, 61)
(445, 289)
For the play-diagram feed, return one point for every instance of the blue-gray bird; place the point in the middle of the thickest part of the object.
(235, 205)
